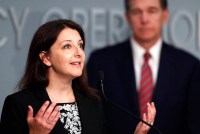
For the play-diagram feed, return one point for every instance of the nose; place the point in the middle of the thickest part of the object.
(78, 52)
(144, 17)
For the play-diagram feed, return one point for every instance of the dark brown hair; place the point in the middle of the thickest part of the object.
(163, 3)
(35, 74)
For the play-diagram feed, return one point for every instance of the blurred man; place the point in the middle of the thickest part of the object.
(144, 68)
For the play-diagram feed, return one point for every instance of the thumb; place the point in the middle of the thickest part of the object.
(30, 113)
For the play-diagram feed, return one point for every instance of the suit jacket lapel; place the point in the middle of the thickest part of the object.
(41, 93)
(164, 79)
(84, 111)
(127, 74)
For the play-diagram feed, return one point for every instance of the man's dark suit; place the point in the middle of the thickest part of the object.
(14, 113)
(176, 93)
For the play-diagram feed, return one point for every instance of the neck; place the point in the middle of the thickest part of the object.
(146, 44)
(60, 92)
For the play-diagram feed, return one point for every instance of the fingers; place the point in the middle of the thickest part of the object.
(49, 110)
(145, 127)
(152, 107)
(151, 112)
(42, 110)
(45, 119)
(54, 116)
(48, 113)
(30, 113)
(148, 117)
(142, 128)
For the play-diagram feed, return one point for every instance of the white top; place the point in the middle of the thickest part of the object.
(138, 59)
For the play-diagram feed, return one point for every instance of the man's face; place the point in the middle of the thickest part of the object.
(146, 19)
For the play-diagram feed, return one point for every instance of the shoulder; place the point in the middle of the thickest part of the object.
(19, 96)
(112, 49)
(179, 55)
(17, 101)
(22, 99)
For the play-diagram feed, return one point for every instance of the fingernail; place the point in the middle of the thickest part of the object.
(29, 106)
(148, 104)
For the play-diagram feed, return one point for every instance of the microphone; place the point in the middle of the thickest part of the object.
(101, 77)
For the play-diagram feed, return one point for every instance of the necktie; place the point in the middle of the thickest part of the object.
(146, 85)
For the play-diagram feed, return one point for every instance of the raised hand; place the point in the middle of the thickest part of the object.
(45, 119)
(149, 117)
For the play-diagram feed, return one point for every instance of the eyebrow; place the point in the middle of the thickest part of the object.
(69, 41)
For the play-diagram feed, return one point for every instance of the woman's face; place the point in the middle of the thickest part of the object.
(66, 56)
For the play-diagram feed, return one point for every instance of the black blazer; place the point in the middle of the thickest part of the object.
(14, 113)
(176, 93)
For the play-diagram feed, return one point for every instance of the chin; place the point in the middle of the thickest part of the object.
(146, 37)
(78, 74)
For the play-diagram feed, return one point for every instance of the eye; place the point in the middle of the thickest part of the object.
(81, 45)
(153, 10)
(135, 12)
(68, 46)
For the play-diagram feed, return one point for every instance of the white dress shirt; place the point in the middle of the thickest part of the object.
(138, 59)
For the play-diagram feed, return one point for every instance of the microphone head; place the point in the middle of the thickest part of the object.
(101, 75)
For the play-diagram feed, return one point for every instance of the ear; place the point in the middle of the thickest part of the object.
(127, 18)
(45, 58)
(165, 15)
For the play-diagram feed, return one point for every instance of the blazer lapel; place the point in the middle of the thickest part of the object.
(84, 111)
(164, 79)
(127, 74)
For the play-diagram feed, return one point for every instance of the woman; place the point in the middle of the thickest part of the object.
(54, 96)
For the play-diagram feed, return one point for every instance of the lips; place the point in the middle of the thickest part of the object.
(76, 63)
